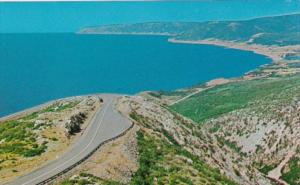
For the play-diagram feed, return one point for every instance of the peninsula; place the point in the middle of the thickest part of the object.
(242, 130)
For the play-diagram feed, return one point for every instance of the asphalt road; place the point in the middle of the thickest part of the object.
(107, 123)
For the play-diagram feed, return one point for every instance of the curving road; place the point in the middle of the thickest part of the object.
(107, 124)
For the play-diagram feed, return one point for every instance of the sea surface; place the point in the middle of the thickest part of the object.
(36, 17)
(35, 68)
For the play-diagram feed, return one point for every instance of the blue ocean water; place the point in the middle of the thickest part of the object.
(71, 16)
(39, 67)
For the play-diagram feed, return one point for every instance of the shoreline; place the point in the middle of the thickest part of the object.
(34, 108)
(127, 33)
(25, 111)
(275, 53)
(45, 104)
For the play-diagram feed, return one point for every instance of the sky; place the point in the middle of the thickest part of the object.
(35, 17)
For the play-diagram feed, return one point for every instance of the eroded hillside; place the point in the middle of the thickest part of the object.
(237, 131)
(259, 120)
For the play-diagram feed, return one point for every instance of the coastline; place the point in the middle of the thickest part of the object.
(126, 33)
(276, 53)
(25, 111)
(45, 104)
(36, 108)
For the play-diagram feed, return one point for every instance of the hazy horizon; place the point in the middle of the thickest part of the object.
(33, 17)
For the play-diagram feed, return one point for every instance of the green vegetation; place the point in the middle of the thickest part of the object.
(170, 137)
(165, 163)
(215, 128)
(293, 175)
(231, 145)
(58, 107)
(18, 137)
(229, 97)
(277, 30)
(265, 168)
(140, 119)
(85, 178)
(159, 94)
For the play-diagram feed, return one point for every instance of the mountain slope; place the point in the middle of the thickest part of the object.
(278, 30)
(258, 120)
(242, 130)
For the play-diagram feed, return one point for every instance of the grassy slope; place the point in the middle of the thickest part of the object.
(279, 30)
(229, 97)
(85, 178)
(19, 136)
(19, 139)
(163, 162)
(293, 175)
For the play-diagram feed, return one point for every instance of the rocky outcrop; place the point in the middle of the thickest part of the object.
(74, 125)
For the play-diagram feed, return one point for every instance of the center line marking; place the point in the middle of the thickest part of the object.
(109, 104)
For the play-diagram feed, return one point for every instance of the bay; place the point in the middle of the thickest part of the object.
(38, 67)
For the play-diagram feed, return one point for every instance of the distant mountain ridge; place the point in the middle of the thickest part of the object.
(277, 30)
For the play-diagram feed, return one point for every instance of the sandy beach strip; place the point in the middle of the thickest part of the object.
(276, 53)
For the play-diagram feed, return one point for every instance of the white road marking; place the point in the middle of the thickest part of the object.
(109, 104)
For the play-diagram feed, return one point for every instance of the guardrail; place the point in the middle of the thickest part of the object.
(277, 182)
(83, 159)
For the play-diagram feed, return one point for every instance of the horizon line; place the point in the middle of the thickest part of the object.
(3, 1)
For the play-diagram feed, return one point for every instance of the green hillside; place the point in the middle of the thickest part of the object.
(278, 30)
(233, 96)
